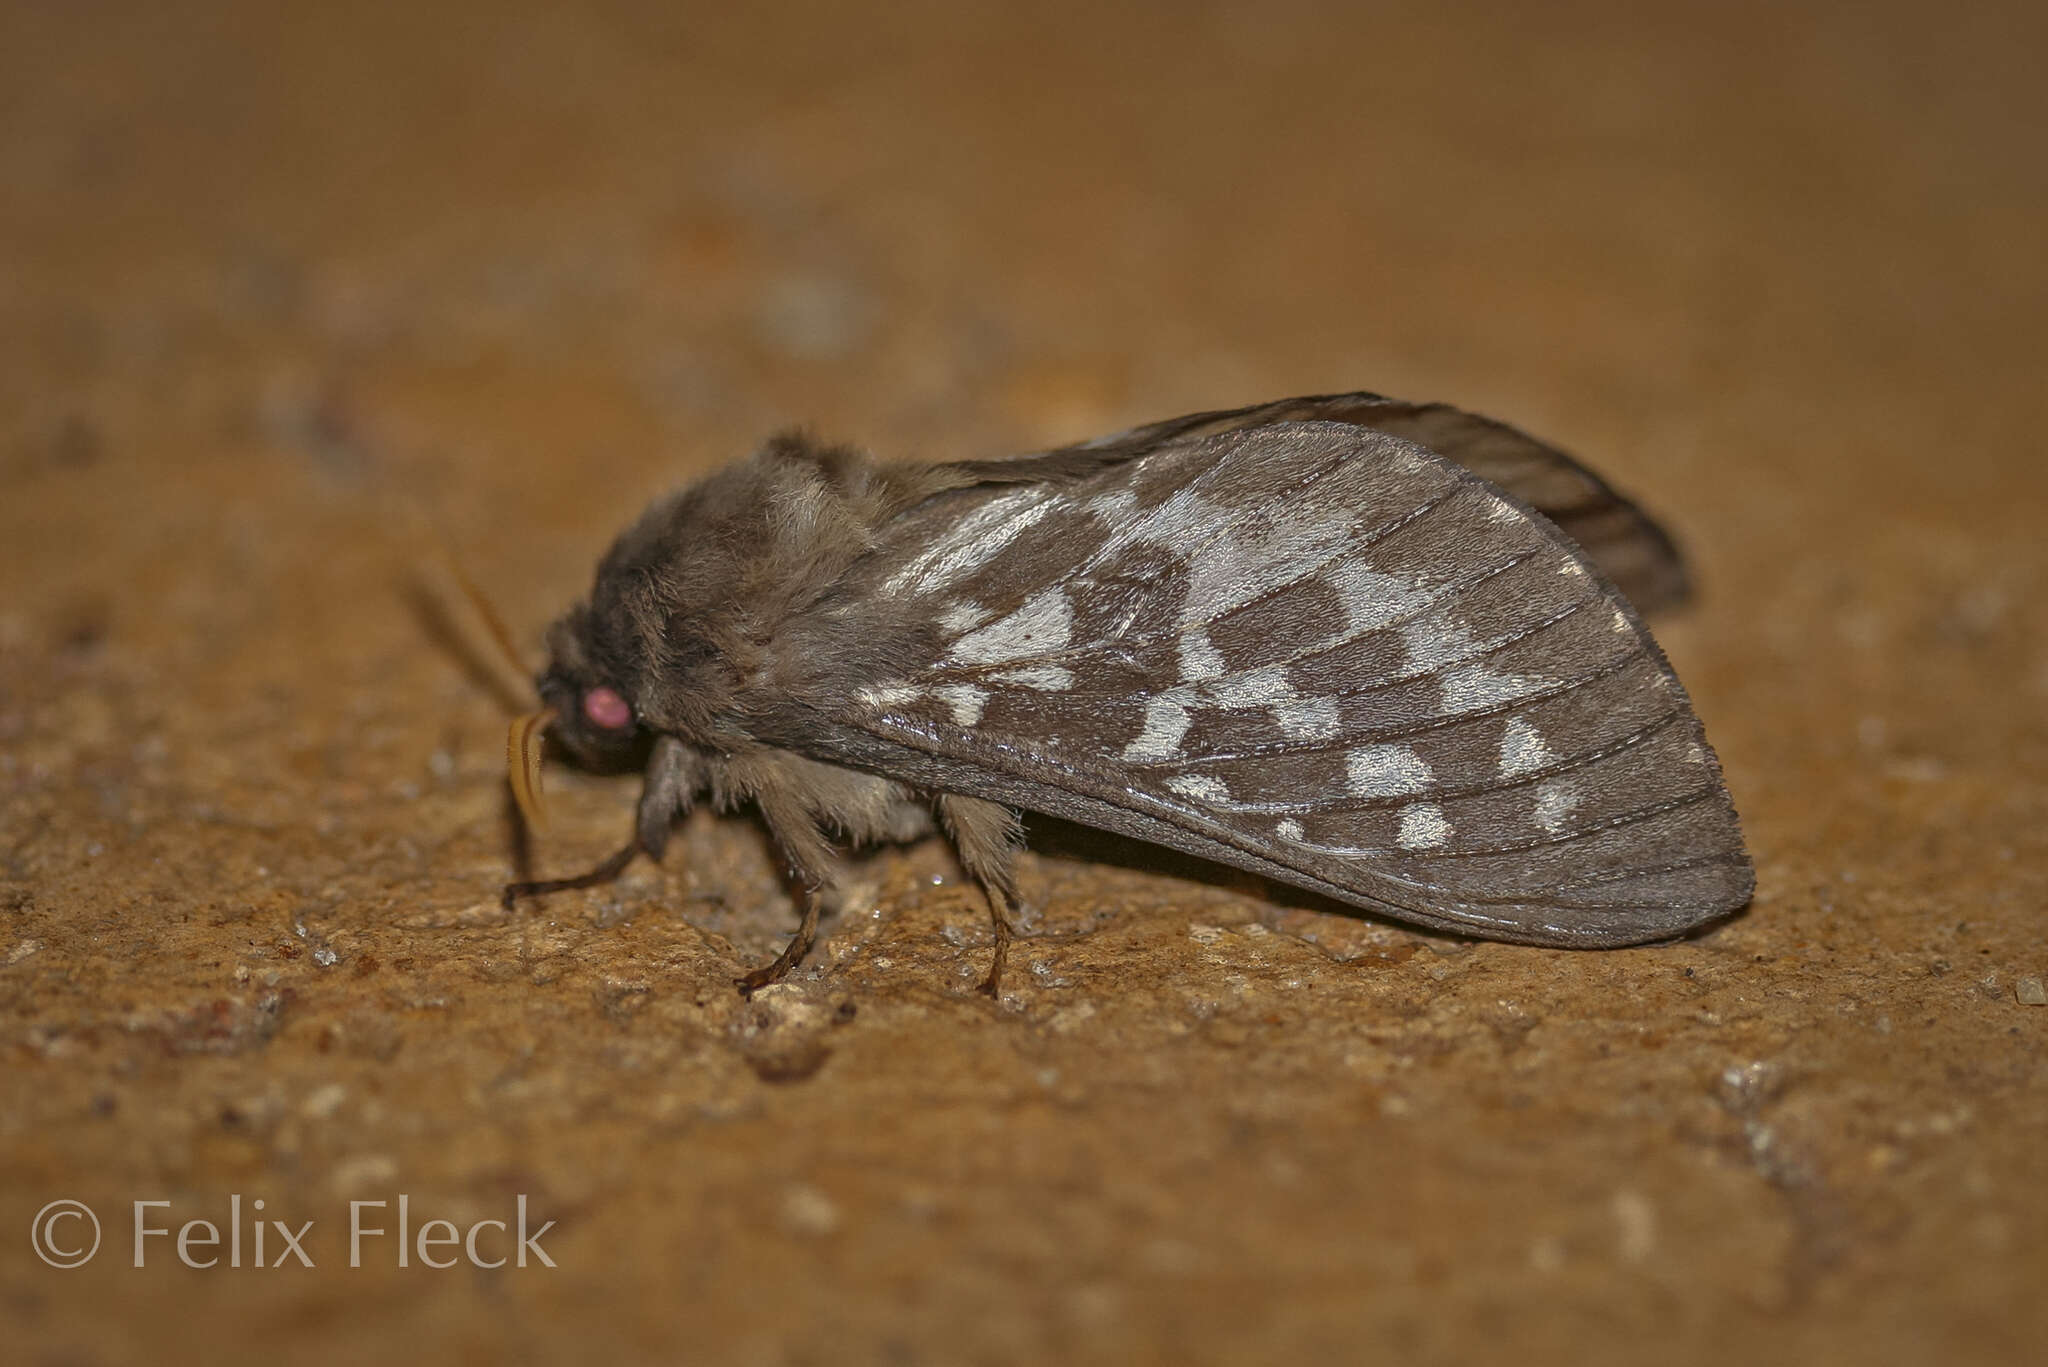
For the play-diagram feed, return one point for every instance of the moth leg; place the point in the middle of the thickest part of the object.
(999, 915)
(987, 836)
(610, 869)
(809, 856)
(673, 774)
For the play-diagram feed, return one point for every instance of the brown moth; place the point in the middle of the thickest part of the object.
(1388, 652)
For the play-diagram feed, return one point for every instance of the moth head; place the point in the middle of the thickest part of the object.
(586, 695)
(590, 690)
(646, 653)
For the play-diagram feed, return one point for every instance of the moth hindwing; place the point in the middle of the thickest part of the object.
(1287, 638)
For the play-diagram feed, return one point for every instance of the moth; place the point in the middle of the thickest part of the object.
(1392, 653)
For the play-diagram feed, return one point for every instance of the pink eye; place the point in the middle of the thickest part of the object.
(607, 709)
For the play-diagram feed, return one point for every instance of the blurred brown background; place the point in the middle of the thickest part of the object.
(271, 275)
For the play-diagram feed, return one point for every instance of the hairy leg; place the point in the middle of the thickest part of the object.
(987, 836)
(776, 786)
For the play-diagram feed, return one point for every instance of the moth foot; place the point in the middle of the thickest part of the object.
(766, 976)
(799, 945)
(992, 985)
(747, 984)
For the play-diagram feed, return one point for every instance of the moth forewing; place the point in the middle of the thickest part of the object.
(1326, 654)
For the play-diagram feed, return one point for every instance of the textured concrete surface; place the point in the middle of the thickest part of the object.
(270, 278)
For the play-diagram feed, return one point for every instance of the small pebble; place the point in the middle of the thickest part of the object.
(363, 1172)
(2030, 992)
(323, 1101)
(806, 1210)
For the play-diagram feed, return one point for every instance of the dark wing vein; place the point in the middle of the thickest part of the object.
(1565, 837)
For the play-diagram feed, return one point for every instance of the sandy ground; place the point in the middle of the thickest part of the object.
(269, 278)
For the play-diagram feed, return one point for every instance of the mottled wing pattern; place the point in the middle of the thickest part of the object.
(1630, 548)
(1322, 653)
